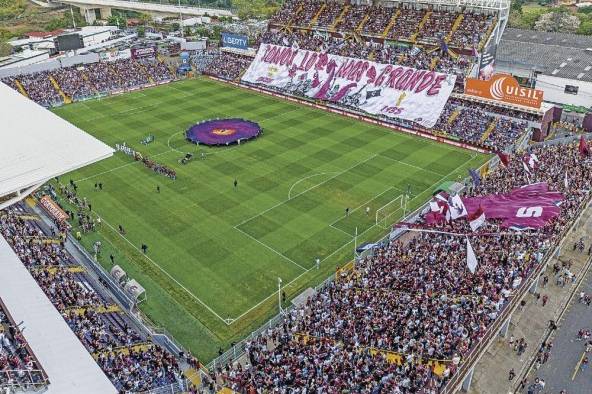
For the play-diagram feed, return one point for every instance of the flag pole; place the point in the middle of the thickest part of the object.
(356, 243)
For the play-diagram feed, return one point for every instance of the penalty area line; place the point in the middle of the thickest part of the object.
(274, 294)
(226, 321)
(270, 248)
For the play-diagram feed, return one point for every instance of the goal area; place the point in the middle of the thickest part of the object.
(391, 212)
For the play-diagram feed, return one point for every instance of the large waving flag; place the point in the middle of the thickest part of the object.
(471, 258)
(504, 158)
(457, 207)
(477, 219)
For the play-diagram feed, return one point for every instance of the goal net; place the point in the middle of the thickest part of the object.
(390, 212)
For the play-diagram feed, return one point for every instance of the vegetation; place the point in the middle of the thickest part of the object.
(541, 16)
(227, 246)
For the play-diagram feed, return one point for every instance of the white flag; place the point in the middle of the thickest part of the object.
(471, 258)
(566, 181)
(457, 207)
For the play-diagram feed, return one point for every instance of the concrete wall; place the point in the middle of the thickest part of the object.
(554, 89)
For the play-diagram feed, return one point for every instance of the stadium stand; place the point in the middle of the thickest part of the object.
(80, 82)
(130, 359)
(403, 320)
(19, 368)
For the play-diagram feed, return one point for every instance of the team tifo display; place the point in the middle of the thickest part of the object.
(378, 89)
(222, 132)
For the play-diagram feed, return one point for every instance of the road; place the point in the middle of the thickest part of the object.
(562, 371)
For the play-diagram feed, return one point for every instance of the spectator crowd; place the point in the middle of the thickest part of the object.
(414, 297)
(128, 357)
(18, 367)
(88, 80)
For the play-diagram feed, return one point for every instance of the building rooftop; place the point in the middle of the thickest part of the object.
(556, 54)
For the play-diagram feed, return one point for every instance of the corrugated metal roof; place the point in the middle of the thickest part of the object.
(558, 54)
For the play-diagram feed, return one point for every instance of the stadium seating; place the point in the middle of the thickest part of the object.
(403, 319)
(79, 82)
(130, 360)
(19, 368)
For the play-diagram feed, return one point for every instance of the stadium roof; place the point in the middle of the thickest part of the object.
(37, 145)
(69, 366)
(560, 55)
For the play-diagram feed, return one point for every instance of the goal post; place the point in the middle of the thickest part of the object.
(391, 211)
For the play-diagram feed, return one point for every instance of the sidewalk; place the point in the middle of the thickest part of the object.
(531, 323)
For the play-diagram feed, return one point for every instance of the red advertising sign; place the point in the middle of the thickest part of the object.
(503, 87)
(53, 209)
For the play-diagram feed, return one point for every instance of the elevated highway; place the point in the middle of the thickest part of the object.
(88, 8)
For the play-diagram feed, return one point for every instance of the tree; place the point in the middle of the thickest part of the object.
(141, 30)
(585, 28)
(144, 18)
(5, 49)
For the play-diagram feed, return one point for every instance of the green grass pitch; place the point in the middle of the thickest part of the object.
(215, 253)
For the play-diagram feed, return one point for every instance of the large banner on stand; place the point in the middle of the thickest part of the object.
(378, 89)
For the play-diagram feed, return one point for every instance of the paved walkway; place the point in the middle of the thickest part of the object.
(563, 370)
(532, 322)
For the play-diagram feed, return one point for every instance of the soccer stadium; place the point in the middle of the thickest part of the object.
(341, 197)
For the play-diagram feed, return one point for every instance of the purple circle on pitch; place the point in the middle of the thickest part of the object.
(222, 131)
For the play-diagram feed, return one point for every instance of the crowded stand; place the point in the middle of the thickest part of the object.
(472, 124)
(414, 298)
(423, 25)
(80, 82)
(130, 360)
(226, 65)
(18, 366)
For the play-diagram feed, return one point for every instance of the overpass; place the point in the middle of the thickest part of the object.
(88, 8)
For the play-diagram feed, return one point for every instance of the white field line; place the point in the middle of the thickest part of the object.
(273, 294)
(173, 298)
(167, 274)
(270, 248)
(338, 229)
(308, 177)
(365, 203)
(118, 168)
(411, 165)
(307, 190)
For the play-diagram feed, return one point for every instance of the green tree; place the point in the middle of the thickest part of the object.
(5, 49)
(585, 28)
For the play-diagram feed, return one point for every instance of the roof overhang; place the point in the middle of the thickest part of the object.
(36, 145)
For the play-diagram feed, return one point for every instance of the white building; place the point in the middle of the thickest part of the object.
(560, 64)
(24, 58)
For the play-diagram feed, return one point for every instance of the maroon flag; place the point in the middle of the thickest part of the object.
(477, 219)
(583, 148)
(530, 206)
(504, 158)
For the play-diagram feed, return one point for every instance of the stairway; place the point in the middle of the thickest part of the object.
(360, 26)
(455, 27)
(422, 23)
(434, 63)
(315, 18)
(338, 20)
(150, 79)
(486, 35)
(490, 128)
(85, 77)
(453, 116)
(56, 85)
(391, 24)
(291, 21)
(20, 87)
(193, 376)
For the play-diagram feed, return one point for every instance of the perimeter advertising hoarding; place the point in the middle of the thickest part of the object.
(238, 41)
(504, 88)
